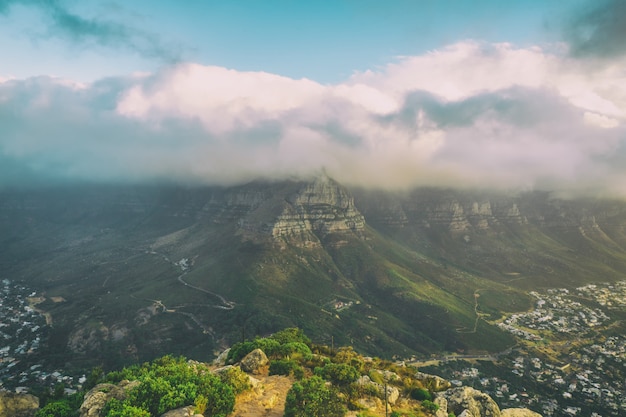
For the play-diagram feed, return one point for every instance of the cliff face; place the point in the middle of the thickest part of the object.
(18, 405)
(456, 212)
(303, 212)
(461, 212)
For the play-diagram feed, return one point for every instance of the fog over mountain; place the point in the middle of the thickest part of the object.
(467, 114)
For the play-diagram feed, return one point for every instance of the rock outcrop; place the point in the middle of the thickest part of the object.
(392, 392)
(18, 405)
(254, 361)
(433, 382)
(97, 397)
(189, 411)
(518, 412)
(477, 403)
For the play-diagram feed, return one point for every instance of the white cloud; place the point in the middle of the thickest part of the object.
(470, 114)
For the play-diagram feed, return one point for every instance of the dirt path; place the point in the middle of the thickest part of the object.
(266, 399)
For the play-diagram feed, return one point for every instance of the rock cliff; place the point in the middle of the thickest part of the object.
(18, 405)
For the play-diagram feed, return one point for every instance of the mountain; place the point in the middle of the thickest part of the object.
(129, 273)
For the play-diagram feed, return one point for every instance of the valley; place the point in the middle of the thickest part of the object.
(144, 271)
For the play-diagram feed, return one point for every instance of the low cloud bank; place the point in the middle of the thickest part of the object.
(469, 115)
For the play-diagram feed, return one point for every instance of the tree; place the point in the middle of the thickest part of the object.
(311, 397)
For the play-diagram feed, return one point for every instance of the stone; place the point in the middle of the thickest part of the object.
(221, 359)
(18, 405)
(392, 392)
(433, 382)
(254, 361)
(519, 412)
(477, 403)
(99, 395)
(442, 403)
(189, 411)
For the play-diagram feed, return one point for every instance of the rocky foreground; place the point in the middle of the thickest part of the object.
(363, 386)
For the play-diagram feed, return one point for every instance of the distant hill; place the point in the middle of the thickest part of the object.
(129, 273)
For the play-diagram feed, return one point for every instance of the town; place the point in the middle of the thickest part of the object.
(570, 360)
(23, 332)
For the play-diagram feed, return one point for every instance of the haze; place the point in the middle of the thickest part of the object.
(526, 96)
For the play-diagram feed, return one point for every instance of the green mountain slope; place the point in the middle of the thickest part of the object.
(130, 273)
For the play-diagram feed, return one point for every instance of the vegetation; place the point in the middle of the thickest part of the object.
(311, 397)
(325, 384)
(170, 383)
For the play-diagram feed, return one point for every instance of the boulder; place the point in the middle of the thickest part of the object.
(392, 392)
(519, 412)
(442, 403)
(98, 396)
(433, 382)
(189, 411)
(477, 403)
(254, 361)
(18, 405)
(221, 359)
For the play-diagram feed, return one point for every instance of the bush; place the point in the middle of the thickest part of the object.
(421, 394)
(430, 406)
(291, 335)
(338, 373)
(286, 367)
(295, 349)
(56, 409)
(236, 378)
(311, 397)
(168, 383)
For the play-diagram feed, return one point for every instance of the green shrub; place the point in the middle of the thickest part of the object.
(236, 378)
(295, 348)
(291, 335)
(430, 406)
(311, 397)
(168, 383)
(421, 394)
(338, 373)
(56, 409)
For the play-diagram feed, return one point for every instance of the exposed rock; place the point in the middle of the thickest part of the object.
(321, 207)
(254, 361)
(98, 396)
(477, 403)
(387, 375)
(442, 403)
(433, 382)
(392, 392)
(87, 338)
(519, 412)
(369, 403)
(221, 359)
(266, 398)
(18, 405)
(188, 411)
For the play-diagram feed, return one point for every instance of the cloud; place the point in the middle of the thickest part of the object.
(598, 30)
(89, 32)
(468, 115)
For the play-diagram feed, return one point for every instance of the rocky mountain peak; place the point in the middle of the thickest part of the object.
(312, 210)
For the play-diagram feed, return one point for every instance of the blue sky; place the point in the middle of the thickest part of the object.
(322, 40)
(388, 94)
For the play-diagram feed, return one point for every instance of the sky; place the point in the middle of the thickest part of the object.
(391, 94)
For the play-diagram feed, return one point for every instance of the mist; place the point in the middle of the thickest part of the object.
(468, 115)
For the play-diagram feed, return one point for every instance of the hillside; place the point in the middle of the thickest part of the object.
(295, 378)
(127, 273)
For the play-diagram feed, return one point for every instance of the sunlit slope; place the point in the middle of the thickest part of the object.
(129, 273)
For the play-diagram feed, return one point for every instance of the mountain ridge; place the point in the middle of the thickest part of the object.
(286, 252)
